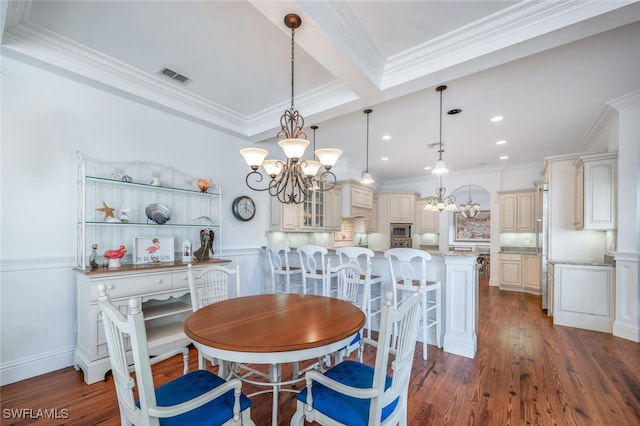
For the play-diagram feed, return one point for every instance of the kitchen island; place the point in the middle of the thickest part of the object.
(458, 273)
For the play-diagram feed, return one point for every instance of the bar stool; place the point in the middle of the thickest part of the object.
(281, 270)
(369, 281)
(310, 270)
(406, 278)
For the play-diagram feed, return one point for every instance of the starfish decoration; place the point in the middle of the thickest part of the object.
(108, 211)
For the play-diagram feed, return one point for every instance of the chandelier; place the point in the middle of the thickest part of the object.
(440, 201)
(293, 179)
(471, 209)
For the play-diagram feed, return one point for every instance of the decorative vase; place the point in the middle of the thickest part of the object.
(114, 263)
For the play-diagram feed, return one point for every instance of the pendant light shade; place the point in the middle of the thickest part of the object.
(440, 167)
(367, 179)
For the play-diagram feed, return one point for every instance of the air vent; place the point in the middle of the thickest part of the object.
(174, 75)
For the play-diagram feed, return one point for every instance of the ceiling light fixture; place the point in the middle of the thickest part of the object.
(497, 118)
(292, 179)
(501, 142)
(440, 167)
(504, 157)
(366, 176)
(440, 201)
(471, 209)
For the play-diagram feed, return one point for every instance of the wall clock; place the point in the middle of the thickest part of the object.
(243, 208)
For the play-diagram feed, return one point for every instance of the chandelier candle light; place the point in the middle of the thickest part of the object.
(440, 202)
(292, 180)
(471, 209)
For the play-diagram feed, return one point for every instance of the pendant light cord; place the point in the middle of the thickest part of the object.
(293, 34)
(367, 168)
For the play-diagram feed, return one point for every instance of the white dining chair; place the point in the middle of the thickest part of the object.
(312, 262)
(408, 269)
(210, 285)
(348, 287)
(372, 283)
(352, 393)
(284, 277)
(196, 398)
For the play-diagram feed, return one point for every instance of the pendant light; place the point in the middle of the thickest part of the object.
(367, 179)
(441, 202)
(440, 167)
(292, 179)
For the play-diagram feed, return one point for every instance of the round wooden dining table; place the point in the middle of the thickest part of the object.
(274, 329)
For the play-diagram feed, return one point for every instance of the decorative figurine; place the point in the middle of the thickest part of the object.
(206, 240)
(93, 257)
(114, 256)
(106, 210)
(203, 184)
(124, 215)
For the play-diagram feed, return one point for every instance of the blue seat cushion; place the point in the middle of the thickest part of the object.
(346, 409)
(194, 384)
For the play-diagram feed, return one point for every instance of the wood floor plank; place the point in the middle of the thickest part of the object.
(526, 372)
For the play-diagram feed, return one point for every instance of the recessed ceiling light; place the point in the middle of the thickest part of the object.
(496, 118)
(428, 168)
(454, 111)
(504, 157)
(501, 142)
(386, 137)
(385, 158)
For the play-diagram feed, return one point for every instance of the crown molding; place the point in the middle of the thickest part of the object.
(510, 26)
(630, 98)
(345, 28)
(34, 41)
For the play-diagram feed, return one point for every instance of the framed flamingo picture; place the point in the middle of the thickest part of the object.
(153, 250)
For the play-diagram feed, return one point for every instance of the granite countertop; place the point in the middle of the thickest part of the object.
(580, 263)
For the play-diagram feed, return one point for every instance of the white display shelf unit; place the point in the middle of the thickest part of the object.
(162, 287)
(100, 181)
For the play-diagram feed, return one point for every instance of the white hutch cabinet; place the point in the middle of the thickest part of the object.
(161, 286)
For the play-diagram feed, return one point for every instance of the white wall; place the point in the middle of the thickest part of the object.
(46, 118)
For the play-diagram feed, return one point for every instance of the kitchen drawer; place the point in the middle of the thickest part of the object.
(180, 280)
(511, 257)
(128, 285)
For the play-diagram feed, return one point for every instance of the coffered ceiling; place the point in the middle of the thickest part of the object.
(548, 67)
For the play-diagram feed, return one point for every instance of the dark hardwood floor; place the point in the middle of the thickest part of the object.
(526, 372)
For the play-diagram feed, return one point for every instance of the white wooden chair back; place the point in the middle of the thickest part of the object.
(119, 330)
(360, 256)
(279, 264)
(312, 269)
(211, 284)
(122, 331)
(408, 270)
(404, 318)
(404, 271)
(349, 283)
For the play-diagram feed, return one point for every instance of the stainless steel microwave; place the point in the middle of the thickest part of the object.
(400, 230)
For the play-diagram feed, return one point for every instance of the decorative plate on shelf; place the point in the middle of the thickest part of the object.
(158, 213)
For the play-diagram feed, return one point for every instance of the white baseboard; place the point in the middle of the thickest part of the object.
(35, 366)
(626, 331)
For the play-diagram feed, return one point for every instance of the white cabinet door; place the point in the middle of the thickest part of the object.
(401, 208)
(284, 217)
(596, 192)
(517, 212)
(584, 296)
(511, 271)
(426, 220)
(532, 273)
